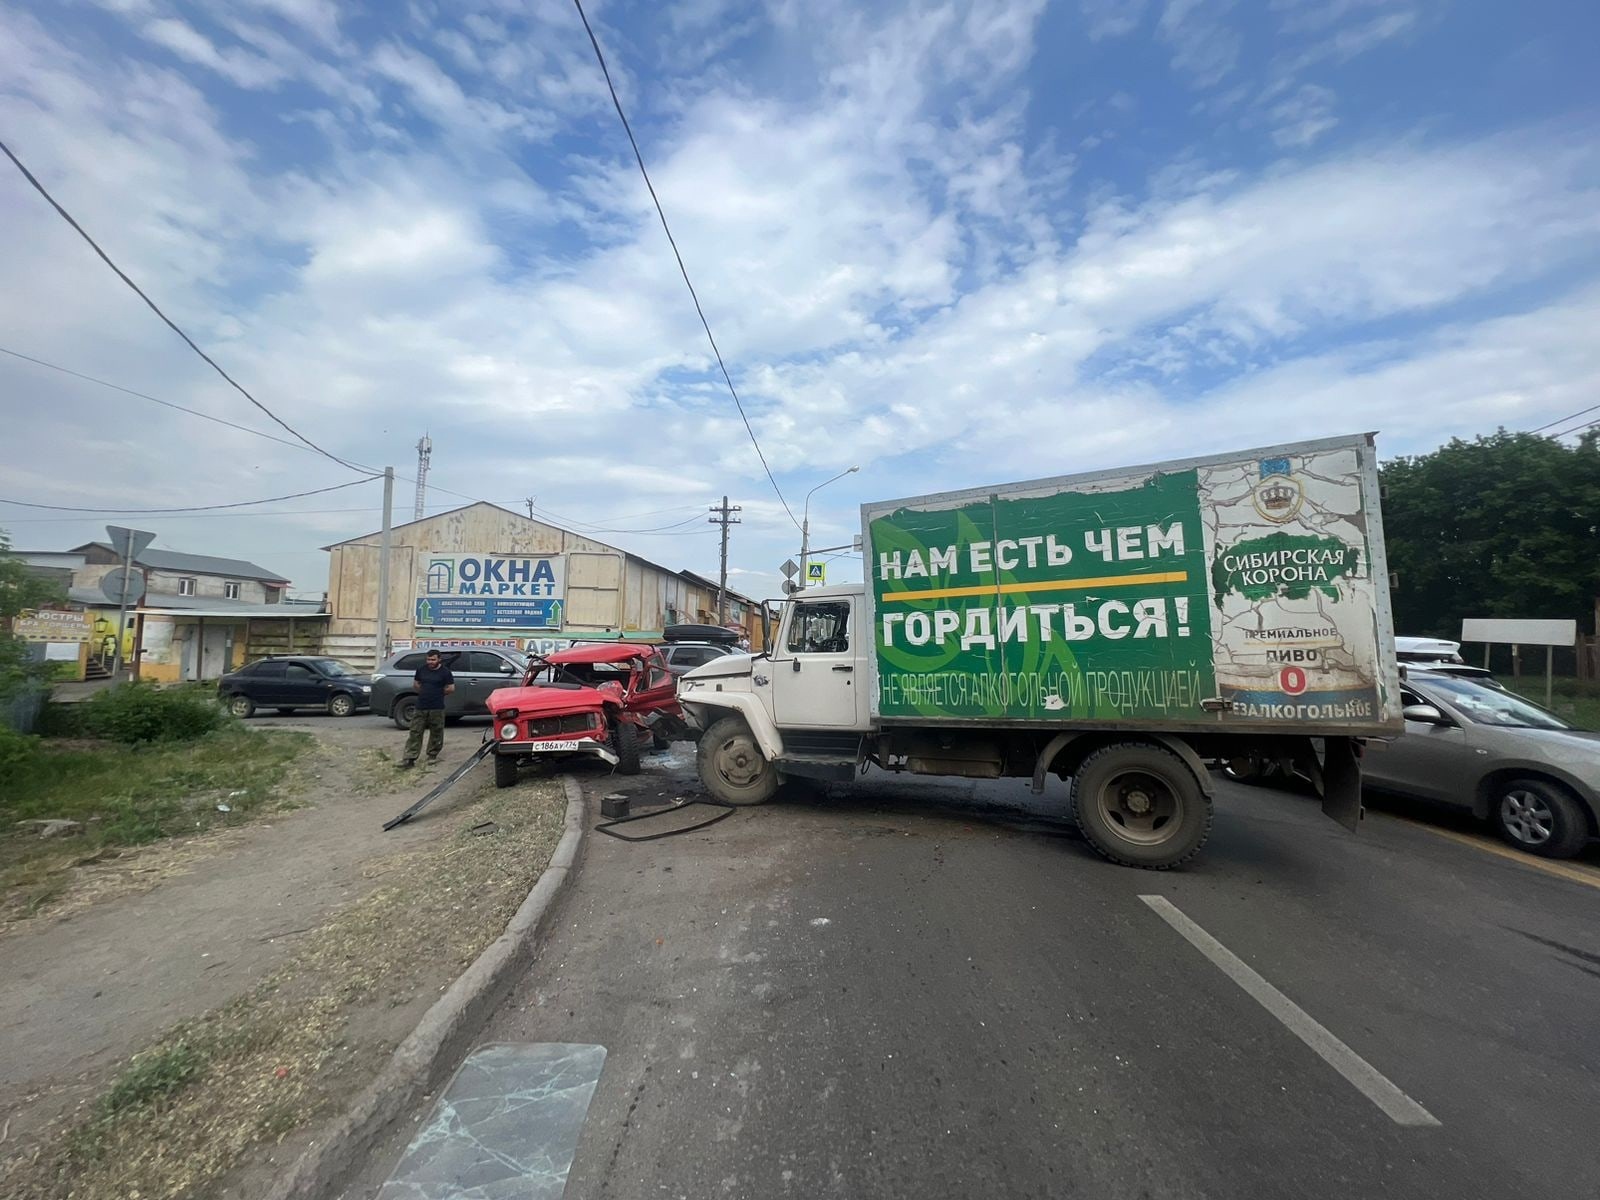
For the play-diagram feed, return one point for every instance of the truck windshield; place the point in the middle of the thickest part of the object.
(820, 627)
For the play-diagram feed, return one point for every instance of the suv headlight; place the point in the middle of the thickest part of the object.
(508, 731)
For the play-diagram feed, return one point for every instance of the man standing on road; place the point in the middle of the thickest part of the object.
(434, 682)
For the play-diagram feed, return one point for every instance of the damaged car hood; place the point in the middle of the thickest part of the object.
(549, 698)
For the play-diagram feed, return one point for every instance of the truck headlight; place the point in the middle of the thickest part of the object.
(508, 731)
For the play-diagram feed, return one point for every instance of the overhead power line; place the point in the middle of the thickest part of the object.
(155, 308)
(1564, 420)
(193, 412)
(682, 270)
(1576, 429)
(187, 508)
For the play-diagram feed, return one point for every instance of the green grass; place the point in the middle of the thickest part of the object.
(152, 1077)
(130, 795)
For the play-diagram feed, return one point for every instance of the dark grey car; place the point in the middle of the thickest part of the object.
(1535, 777)
(478, 671)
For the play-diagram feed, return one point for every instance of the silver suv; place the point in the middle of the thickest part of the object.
(683, 657)
(478, 670)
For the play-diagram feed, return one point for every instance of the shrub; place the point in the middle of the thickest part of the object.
(142, 712)
(17, 750)
(60, 720)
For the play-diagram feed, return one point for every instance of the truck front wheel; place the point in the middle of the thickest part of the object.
(1140, 806)
(505, 770)
(732, 766)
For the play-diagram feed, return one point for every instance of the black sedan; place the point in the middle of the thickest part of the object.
(294, 682)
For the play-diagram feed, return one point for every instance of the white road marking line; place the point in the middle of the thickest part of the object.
(1396, 1105)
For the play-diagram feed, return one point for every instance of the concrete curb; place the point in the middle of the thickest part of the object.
(424, 1058)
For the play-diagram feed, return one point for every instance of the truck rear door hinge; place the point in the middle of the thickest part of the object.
(1216, 704)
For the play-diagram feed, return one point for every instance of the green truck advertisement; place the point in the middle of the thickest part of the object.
(1243, 590)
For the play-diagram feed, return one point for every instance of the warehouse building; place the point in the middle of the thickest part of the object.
(485, 574)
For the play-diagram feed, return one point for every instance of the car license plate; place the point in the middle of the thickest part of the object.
(553, 745)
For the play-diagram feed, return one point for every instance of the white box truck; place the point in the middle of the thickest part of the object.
(1121, 629)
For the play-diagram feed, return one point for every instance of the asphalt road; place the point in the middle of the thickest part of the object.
(928, 989)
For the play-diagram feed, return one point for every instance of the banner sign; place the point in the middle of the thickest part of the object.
(52, 625)
(1246, 583)
(492, 591)
(483, 643)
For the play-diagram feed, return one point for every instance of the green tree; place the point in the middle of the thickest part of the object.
(1502, 526)
(19, 592)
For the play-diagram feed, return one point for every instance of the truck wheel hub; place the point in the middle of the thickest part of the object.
(1137, 802)
(739, 764)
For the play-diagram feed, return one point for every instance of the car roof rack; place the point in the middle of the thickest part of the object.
(715, 634)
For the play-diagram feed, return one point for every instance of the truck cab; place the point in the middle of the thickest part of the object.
(814, 679)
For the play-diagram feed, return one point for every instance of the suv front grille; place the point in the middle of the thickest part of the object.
(572, 723)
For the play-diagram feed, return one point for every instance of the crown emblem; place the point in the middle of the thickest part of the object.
(1278, 496)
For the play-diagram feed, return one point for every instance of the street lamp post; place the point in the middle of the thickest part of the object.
(805, 522)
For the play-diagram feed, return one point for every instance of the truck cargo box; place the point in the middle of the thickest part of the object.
(1244, 592)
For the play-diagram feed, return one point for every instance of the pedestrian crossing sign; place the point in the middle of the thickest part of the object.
(816, 573)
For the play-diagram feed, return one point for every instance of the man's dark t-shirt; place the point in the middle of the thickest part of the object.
(431, 682)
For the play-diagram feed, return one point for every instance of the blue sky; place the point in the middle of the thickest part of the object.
(952, 244)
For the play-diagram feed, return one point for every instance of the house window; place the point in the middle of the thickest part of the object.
(230, 590)
(186, 586)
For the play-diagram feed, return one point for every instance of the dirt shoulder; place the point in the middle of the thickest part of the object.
(312, 938)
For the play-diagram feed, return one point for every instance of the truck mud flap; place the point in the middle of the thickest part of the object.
(1341, 782)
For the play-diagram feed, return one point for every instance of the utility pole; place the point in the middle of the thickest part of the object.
(381, 644)
(724, 517)
(122, 615)
(529, 502)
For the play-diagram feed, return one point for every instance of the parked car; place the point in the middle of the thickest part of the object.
(1479, 675)
(683, 657)
(478, 672)
(691, 646)
(1441, 656)
(1531, 774)
(1426, 649)
(294, 682)
(611, 700)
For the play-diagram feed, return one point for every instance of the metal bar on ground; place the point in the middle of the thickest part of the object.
(449, 781)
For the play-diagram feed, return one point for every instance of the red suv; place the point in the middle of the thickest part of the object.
(610, 700)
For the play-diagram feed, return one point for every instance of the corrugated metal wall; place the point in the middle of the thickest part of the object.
(607, 588)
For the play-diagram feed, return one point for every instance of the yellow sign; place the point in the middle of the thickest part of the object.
(52, 625)
(816, 573)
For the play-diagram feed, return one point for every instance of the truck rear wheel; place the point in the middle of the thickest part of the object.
(732, 766)
(505, 770)
(1140, 806)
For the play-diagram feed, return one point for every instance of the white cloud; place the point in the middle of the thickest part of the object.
(899, 270)
(1204, 48)
(1110, 18)
(1304, 117)
(238, 66)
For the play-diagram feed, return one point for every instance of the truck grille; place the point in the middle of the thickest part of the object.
(549, 726)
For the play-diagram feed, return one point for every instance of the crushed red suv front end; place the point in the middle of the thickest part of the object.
(611, 701)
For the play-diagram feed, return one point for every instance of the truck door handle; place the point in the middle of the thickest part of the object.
(843, 667)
